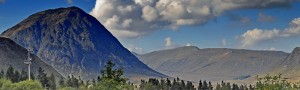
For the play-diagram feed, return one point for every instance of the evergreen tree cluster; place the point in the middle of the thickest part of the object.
(166, 84)
(110, 79)
(14, 75)
(228, 86)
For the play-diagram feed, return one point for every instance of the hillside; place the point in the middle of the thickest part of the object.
(13, 54)
(214, 64)
(74, 42)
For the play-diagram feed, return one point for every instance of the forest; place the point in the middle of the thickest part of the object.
(111, 78)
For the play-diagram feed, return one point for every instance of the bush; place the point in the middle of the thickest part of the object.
(111, 84)
(5, 84)
(28, 85)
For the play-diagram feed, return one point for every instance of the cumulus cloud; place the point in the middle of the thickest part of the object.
(252, 37)
(169, 43)
(135, 49)
(136, 18)
(265, 18)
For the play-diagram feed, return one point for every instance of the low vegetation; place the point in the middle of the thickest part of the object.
(112, 79)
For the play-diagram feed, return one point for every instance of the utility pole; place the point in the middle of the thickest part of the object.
(28, 62)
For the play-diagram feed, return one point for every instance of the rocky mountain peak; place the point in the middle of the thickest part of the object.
(74, 42)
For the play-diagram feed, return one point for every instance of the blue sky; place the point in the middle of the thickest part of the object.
(148, 26)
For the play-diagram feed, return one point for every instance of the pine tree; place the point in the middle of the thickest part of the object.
(69, 82)
(210, 87)
(74, 82)
(32, 77)
(228, 86)
(52, 84)
(182, 85)
(98, 79)
(16, 77)
(168, 84)
(218, 87)
(205, 85)
(10, 72)
(200, 85)
(251, 87)
(42, 77)
(1, 73)
(24, 75)
(80, 81)
(61, 82)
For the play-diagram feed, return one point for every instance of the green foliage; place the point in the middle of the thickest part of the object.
(162, 84)
(52, 84)
(111, 84)
(2, 74)
(111, 79)
(42, 77)
(6, 84)
(28, 85)
(23, 85)
(61, 82)
(10, 72)
(276, 82)
(24, 75)
(111, 73)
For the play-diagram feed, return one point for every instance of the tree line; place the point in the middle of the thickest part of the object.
(111, 78)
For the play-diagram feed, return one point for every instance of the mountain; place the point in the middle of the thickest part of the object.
(214, 64)
(13, 54)
(290, 66)
(76, 43)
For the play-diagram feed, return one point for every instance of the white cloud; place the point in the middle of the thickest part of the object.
(149, 13)
(272, 49)
(142, 17)
(135, 49)
(252, 37)
(169, 43)
(224, 42)
(188, 44)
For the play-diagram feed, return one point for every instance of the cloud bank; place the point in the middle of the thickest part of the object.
(252, 37)
(135, 18)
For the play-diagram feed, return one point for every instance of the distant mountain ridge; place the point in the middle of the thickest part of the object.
(13, 54)
(74, 42)
(214, 64)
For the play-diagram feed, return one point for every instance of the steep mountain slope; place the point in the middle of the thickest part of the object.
(192, 63)
(290, 66)
(13, 54)
(74, 42)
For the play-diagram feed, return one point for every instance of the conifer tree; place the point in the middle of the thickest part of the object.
(200, 85)
(61, 82)
(24, 75)
(210, 87)
(205, 86)
(218, 87)
(16, 77)
(1, 73)
(52, 84)
(42, 77)
(10, 72)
